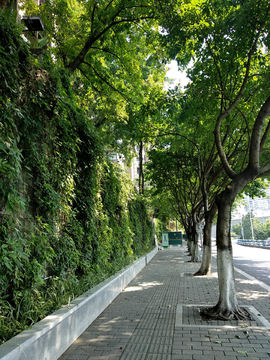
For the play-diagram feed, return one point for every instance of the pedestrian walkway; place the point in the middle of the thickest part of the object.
(156, 318)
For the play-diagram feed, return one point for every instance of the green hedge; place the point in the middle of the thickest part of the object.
(69, 218)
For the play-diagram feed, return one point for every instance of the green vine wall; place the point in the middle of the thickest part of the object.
(69, 217)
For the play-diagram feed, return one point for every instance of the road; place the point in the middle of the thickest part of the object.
(253, 261)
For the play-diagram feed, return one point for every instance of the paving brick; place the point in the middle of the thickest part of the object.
(192, 352)
(73, 350)
(91, 352)
(139, 325)
(182, 347)
(77, 357)
(202, 347)
(133, 356)
(261, 350)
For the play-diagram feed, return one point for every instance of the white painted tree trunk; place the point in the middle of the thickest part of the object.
(195, 253)
(227, 294)
(227, 307)
(206, 266)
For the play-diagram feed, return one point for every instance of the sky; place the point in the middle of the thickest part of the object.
(176, 75)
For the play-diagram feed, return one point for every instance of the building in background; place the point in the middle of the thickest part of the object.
(134, 169)
(33, 25)
(259, 206)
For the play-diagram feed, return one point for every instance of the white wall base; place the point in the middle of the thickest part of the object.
(49, 338)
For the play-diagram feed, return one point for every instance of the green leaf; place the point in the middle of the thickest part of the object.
(42, 42)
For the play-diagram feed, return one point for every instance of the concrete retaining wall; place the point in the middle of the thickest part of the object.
(50, 337)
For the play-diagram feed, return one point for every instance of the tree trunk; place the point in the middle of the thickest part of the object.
(141, 174)
(189, 239)
(227, 306)
(206, 266)
(194, 251)
(188, 246)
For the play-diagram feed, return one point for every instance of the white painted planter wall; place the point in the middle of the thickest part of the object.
(50, 337)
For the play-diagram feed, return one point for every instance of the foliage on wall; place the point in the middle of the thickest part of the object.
(69, 218)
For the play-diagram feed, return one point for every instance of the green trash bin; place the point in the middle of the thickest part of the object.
(175, 238)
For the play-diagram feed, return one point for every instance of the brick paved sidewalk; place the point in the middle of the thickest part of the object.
(156, 317)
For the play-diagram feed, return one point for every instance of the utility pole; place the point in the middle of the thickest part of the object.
(250, 219)
(242, 229)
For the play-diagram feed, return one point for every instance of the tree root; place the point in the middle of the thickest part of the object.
(202, 273)
(217, 313)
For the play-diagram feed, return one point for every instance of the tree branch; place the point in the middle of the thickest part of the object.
(93, 38)
(110, 52)
(264, 75)
(227, 112)
(255, 143)
(216, 66)
(110, 2)
(264, 173)
(92, 17)
(96, 89)
(266, 132)
(106, 82)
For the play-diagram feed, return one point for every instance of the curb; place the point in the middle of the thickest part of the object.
(49, 338)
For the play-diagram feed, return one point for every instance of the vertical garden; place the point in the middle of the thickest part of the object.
(69, 217)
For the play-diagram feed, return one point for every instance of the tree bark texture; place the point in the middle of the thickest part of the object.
(141, 174)
(227, 306)
(195, 237)
(206, 266)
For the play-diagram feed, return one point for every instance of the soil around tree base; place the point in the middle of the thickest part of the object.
(217, 313)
